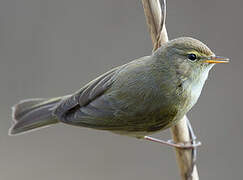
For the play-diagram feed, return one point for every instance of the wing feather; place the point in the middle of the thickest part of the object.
(72, 105)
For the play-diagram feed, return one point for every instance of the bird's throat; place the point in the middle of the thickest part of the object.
(194, 86)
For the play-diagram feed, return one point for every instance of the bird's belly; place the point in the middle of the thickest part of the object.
(146, 123)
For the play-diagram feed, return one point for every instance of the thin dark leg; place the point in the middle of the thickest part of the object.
(194, 150)
(193, 141)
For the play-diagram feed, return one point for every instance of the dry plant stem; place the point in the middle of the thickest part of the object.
(180, 133)
(155, 21)
(155, 17)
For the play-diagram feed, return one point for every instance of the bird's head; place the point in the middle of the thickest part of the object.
(188, 57)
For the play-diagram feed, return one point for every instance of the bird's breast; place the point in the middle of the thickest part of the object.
(193, 89)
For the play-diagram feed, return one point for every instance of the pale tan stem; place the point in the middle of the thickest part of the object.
(155, 17)
(184, 157)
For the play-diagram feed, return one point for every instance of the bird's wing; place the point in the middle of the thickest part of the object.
(71, 105)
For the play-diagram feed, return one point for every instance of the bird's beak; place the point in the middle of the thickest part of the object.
(216, 59)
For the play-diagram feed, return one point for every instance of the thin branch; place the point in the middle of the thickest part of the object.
(155, 17)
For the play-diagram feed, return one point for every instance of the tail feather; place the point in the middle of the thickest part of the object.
(31, 114)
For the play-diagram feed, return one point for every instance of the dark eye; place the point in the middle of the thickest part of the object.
(192, 57)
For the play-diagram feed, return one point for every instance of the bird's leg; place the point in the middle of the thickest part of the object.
(172, 144)
(193, 141)
(191, 132)
(193, 144)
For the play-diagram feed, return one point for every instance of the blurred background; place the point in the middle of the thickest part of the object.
(53, 47)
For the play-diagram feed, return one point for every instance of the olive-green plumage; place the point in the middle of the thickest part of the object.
(144, 96)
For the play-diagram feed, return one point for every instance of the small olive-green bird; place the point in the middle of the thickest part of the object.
(137, 99)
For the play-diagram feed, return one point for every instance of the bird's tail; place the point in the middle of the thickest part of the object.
(31, 114)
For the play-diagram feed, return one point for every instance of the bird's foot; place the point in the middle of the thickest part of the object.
(171, 143)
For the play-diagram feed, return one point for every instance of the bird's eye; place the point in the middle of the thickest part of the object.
(192, 57)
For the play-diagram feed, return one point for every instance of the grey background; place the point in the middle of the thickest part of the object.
(53, 47)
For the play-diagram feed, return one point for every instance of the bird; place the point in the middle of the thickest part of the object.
(137, 99)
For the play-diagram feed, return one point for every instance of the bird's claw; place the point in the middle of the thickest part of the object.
(186, 145)
(171, 143)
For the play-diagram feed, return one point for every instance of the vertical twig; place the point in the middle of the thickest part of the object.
(155, 17)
